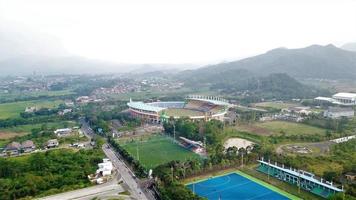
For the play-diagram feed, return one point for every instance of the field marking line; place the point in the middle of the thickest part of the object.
(227, 181)
(228, 188)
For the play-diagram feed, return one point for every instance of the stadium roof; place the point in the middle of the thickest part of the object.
(142, 106)
(344, 95)
(301, 175)
(213, 101)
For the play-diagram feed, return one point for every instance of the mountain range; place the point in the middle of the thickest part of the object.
(316, 62)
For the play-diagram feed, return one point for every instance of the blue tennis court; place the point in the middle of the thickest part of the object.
(233, 186)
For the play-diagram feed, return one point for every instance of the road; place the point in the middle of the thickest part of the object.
(109, 189)
(106, 190)
(125, 172)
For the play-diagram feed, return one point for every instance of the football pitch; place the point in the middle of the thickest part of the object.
(157, 150)
(236, 186)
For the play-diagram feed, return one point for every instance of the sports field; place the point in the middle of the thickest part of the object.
(157, 150)
(182, 112)
(13, 110)
(237, 186)
(275, 105)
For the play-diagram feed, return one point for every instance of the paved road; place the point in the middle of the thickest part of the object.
(108, 189)
(126, 174)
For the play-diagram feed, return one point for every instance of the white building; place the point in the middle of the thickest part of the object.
(105, 167)
(63, 131)
(338, 112)
(343, 98)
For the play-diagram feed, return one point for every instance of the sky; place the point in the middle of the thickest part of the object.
(182, 31)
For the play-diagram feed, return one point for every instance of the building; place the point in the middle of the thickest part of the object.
(305, 180)
(343, 98)
(105, 168)
(300, 110)
(194, 107)
(338, 112)
(350, 176)
(28, 146)
(52, 143)
(65, 111)
(63, 132)
(13, 148)
(30, 109)
(343, 139)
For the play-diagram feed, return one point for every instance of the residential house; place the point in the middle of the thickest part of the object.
(28, 146)
(63, 132)
(13, 148)
(52, 143)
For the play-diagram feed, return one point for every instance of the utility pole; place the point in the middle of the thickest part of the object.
(174, 132)
(137, 152)
(268, 168)
(172, 174)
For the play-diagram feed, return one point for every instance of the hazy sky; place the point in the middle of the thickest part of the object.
(182, 31)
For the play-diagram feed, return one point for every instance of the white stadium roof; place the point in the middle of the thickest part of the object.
(143, 106)
(213, 100)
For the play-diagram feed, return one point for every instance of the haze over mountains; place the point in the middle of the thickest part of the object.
(318, 62)
(315, 61)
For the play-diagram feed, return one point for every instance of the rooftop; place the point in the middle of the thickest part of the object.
(344, 95)
(142, 106)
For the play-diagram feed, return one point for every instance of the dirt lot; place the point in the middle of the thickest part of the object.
(253, 129)
(8, 135)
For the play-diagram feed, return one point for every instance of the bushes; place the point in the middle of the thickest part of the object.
(39, 173)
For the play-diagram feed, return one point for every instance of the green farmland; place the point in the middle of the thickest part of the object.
(157, 150)
(13, 110)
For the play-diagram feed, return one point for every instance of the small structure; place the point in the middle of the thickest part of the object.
(343, 139)
(350, 176)
(28, 146)
(65, 111)
(13, 148)
(195, 146)
(338, 112)
(30, 109)
(105, 167)
(69, 103)
(63, 132)
(52, 143)
(301, 110)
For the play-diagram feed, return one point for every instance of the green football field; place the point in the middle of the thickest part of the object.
(157, 150)
(13, 110)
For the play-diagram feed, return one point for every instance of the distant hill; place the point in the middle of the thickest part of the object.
(320, 62)
(279, 86)
(349, 46)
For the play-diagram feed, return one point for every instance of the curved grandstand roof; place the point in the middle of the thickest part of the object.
(143, 106)
(213, 100)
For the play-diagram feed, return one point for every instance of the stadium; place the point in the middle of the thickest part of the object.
(194, 107)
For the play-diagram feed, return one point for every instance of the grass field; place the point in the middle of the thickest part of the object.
(276, 105)
(182, 112)
(13, 110)
(11, 96)
(277, 127)
(157, 150)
